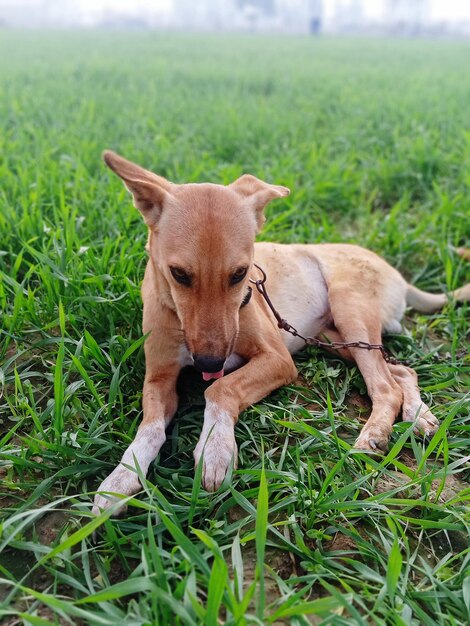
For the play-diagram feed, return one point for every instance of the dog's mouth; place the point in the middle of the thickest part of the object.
(212, 375)
(211, 367)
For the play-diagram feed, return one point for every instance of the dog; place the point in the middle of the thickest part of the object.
(199, 309)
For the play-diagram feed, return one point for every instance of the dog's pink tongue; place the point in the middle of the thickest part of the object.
(211, 375)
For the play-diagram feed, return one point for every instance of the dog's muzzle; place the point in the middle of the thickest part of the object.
(209, 366)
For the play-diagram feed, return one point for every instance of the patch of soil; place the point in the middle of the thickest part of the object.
(237, 513)
(50, 526)
(20, 562)
(279, 561)
(297, 396)
(285, 564)
(358, 406)
(453, 485)
(455, 541)
(301, 381)
(42, 611)
(340, 543)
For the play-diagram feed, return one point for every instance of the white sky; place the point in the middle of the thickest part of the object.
(452, 10)
(440, 9)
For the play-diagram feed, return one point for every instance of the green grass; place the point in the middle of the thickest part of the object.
(373, 138)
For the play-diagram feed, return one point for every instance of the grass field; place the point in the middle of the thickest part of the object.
(373, 138)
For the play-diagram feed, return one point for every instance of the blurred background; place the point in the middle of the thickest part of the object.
(362, 17)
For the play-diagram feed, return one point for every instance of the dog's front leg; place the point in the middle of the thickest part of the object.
(163, 362)
(229, 395)
(159, 404)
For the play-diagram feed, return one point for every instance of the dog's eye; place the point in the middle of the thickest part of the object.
(180, 276)
(238, 276)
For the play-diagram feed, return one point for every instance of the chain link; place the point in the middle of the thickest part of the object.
(313, 341)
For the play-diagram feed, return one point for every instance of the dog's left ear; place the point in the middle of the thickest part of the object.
(258, 193)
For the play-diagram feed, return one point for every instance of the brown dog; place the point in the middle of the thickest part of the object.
(198, 311)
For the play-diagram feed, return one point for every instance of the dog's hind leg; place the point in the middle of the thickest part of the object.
(414, 409)
(227, 397)
(331, 335)
(357, 319)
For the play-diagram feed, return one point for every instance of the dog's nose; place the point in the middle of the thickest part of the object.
(210, 364)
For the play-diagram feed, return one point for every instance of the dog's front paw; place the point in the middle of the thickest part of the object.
(218, 451)
(373, 438)
(121, 481)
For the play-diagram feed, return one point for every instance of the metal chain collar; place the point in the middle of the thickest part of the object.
(313, 341)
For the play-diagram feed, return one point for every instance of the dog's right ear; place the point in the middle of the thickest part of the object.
(148, 189)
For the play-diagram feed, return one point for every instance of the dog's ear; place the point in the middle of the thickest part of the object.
(148, 189)
(258, 193)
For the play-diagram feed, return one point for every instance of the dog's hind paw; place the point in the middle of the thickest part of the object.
(121, 481)
(373, 439)
(425, 422)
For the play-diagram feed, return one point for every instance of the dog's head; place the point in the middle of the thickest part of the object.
(201, 242)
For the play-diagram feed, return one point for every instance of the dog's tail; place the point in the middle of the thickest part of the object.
(429, 302)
